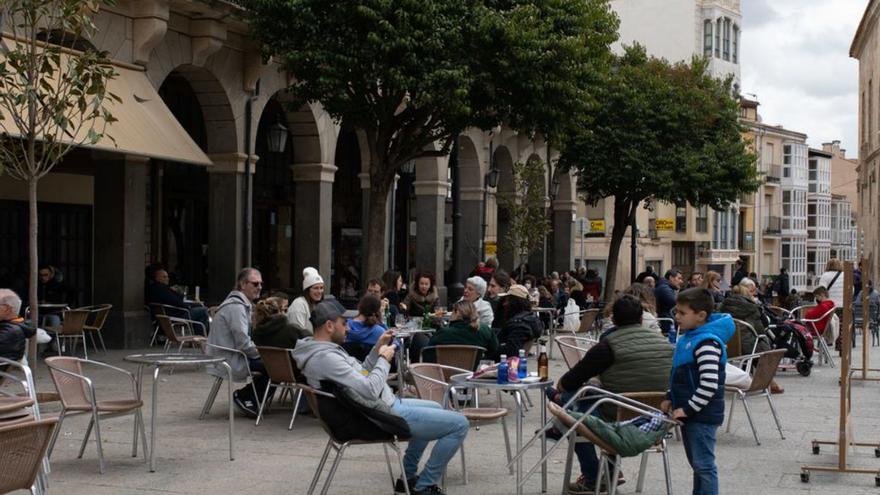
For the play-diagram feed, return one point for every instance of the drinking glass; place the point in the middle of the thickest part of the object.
(400, 320)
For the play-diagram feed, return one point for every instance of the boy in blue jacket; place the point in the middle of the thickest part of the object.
(696, 384)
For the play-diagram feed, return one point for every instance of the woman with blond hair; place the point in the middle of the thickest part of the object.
(465, 329)
(649, 307)
(712, 283)
(271, 327)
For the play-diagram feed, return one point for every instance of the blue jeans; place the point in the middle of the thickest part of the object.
(429, 421)
(699, 446)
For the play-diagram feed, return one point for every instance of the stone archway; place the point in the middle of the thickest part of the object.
(473, 212)
(503, 160)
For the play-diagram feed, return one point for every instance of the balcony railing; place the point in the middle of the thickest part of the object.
(774, 174)
(747, 241)
(772, 225)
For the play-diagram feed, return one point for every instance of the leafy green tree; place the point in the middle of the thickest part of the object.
(413, 74)
(52, 99)
(662, 131)
(527, 214)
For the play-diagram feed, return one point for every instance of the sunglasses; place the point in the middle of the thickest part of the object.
(256, 284)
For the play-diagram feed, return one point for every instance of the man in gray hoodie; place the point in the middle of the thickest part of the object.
(322, 358)
(231, 329)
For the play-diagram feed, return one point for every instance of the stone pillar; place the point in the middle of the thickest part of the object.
(313, 213)
(120, 239)
(561, 239)
(430, 225)
(226, 211)
(472, 218)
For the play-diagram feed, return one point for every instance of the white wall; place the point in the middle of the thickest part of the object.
(665, 27)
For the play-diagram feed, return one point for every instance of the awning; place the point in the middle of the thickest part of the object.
(145, 126)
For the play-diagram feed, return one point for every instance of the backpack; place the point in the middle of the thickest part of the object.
(354, 417)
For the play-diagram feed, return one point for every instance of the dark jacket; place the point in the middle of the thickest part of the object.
(162, 294)
(276, 331)
(743, 308)
(664, 294)
(417, 304)
(13, 338)
(53, 291)
(738, 276)
(781, 285)
(518, 330)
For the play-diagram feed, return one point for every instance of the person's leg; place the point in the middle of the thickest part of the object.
(699, 442)
(261, 378)
(200, 314)
(428, 421)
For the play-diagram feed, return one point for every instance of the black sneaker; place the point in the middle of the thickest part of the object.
(431, 490)
(399, 488)
(245, 406)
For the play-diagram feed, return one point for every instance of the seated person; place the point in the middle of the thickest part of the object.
(823, 305)
(51, 290)
(322, 358)
(520, 326)
(159, 292)
(632, 358)
(423, 296)
(499, 283)
(14, 330)
(271, 327)
(366, 327)
(376, 288)
(474, 290)
(465, 328)
(300, 311)
(742, 304)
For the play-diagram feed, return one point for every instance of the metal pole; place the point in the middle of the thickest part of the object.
(248, 183)
(456, 287)
(634, 231)
(485, 225)
(393, 228)
(548, 189)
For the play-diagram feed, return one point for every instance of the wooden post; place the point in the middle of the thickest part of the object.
(845, 439)
(866, 328)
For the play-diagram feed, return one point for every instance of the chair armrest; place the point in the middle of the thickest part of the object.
(129, 374)
(183, 321)
(82, 378)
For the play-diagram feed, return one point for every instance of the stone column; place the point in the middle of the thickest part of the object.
(471, 245)
(313, 213)
(226, 210)
(430, 226)
(120, 239)
(561, 239)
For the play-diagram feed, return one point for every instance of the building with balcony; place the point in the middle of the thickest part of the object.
(818, 213)
(844, 231)
(780, 205)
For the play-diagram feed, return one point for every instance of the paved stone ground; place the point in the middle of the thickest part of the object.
(192, 455)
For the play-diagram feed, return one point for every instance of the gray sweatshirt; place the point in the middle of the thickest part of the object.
(231, 328)
(319, 360)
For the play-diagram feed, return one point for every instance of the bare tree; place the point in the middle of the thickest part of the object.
(53, 97)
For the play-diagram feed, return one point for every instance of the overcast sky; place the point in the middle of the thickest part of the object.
(795, 58)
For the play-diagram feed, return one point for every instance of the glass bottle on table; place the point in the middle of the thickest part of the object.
(543, 364)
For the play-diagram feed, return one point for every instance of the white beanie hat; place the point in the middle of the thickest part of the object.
(479, 283)
(311, 277)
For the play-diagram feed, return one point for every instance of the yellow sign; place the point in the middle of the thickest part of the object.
(597, 225)
(667, 224)
(491, 248)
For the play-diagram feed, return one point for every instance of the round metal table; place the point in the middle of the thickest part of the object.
(517, 389)
(160, 360)
(405, 333)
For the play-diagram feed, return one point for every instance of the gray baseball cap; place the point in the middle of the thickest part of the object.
(327, 310)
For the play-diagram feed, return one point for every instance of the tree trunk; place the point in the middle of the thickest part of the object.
(33, 301)
(622, 211)
(374, 257)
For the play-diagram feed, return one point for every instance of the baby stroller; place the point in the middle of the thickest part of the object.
(797, 342)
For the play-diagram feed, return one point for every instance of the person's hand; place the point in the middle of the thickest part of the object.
(385, 338)
(666, 405)
(679, 414)
(387, 352)
(403, 307)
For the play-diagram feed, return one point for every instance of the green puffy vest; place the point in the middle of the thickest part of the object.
(642, 361)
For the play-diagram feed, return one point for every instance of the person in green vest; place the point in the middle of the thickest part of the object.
(465, 329)
(631, 358)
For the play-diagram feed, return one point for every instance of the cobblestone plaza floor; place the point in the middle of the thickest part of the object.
(192, 455)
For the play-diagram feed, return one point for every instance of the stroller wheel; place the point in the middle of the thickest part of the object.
(804, 368)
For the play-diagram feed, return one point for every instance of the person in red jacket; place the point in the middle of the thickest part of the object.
(822, 307)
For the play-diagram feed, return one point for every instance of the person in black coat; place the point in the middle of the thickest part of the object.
(519, 324)
(664, 293)
(159, 292)
(14, 331)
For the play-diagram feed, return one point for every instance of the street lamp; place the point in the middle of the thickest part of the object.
(277, 137)
(491, 180)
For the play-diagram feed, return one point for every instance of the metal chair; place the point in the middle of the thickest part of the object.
(432, 383)
(218, 380)
(22, 454)
(824, 351)
(14, 404)
(95, 323)
(458, 356)
(763, 375)
(281, 374)
(653, 400)
(313, 396)
(170, 325)
(157, 309)
(588, 320)
(573, 349)
(78, 396)
(734, 345)
(72, 327)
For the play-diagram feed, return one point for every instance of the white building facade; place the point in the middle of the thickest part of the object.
(794, 213)
(844, 232)
(818, 213)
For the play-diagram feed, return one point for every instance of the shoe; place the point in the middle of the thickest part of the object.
(776, 389)
(552, 434)
(245, 406)
(399, 488)
(431, 490)
(583, 487)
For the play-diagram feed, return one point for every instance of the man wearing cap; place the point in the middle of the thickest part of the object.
(519, 324)
(322, 358)
(474, 290)
(231, 329)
